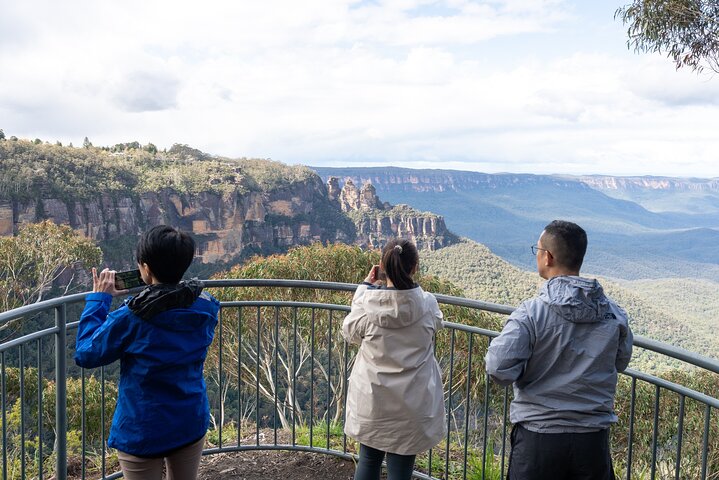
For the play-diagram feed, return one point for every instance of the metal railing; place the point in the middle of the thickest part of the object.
(277, 377)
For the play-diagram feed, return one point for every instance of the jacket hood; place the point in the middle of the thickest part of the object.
(576, 299)
(391, 308)
(155, 301)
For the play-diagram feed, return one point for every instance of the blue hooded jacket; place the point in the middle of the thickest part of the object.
(162, 401)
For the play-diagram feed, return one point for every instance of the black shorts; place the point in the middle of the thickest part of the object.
(559, 456)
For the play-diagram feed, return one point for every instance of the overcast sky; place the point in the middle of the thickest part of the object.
(536, 86)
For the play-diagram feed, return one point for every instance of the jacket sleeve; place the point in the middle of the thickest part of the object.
(508, 353)
(101, 337)
(353, 326)
(438, 315)
(624, 352)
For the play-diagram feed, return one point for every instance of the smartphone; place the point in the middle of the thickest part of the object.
(380, 274)
(128, 279)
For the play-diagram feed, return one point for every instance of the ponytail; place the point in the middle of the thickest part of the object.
(399, 260)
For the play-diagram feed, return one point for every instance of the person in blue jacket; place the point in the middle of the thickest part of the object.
(161, 337)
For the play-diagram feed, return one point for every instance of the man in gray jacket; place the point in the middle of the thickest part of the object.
(563, 351)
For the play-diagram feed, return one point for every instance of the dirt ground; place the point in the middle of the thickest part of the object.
(275, 465)
(250, 464)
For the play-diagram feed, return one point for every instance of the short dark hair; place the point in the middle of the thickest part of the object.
(167, 251)
(399, 260)
(567, 243)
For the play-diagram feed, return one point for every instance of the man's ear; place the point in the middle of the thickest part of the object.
(549, 259)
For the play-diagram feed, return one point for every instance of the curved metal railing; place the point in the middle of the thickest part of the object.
(277, 377)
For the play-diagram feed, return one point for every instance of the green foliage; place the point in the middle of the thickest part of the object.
(185, 152)
(319, 435)
(332, 263)
(685, 30)
(23, 404)
(690, 302)
(667, 427)
(121, 147)
(270, 176)
(32, 261)
(482, 274)
(229, 434)
(38, 171)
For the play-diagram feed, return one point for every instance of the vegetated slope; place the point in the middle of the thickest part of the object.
(485, 276)
(507, 212)
(481, 274)
(36, 170)
(694, 302)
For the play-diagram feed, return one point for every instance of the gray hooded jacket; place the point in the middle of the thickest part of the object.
(563, 350)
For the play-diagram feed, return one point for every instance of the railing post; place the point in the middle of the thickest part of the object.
(61, 393)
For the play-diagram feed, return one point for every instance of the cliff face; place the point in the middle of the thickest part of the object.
(377, 222)
(397, 179)
(651, 183)
(231, 225)
(426, 230)
(405, 179)
(225, 226)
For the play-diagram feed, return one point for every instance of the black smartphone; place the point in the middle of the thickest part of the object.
(128, 279)
(380, 274)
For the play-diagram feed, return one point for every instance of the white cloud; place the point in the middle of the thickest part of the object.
(469, 84)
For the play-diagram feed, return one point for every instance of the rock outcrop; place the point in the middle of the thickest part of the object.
(225, 226)
(377, 222)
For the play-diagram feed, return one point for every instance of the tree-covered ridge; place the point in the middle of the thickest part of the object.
(480, 273)
(33, 170)
(693, 302)
(270, 175)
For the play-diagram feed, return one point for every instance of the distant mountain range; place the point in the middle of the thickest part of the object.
(639, 227)
(692, 196)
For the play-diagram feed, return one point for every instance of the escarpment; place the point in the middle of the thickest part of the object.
(234, 208)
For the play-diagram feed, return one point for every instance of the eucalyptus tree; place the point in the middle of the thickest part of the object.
(687, 31)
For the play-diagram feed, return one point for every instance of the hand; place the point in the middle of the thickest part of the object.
(373, 275)
(105, 282)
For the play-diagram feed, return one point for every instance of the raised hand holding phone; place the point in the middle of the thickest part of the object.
(105, 282)
(128, 279)
(375, 275)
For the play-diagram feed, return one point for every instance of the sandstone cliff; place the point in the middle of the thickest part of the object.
(234, 208)
(603, 182)
(377, 222)
(225, 226)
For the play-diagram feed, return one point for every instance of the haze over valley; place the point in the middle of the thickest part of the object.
(643, 227)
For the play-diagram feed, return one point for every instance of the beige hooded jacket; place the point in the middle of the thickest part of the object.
(395, 398)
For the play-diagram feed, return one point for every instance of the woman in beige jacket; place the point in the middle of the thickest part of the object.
(395, 398)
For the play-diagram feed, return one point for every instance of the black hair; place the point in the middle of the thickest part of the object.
(167, 251)
(399, 261)
(567, 242)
